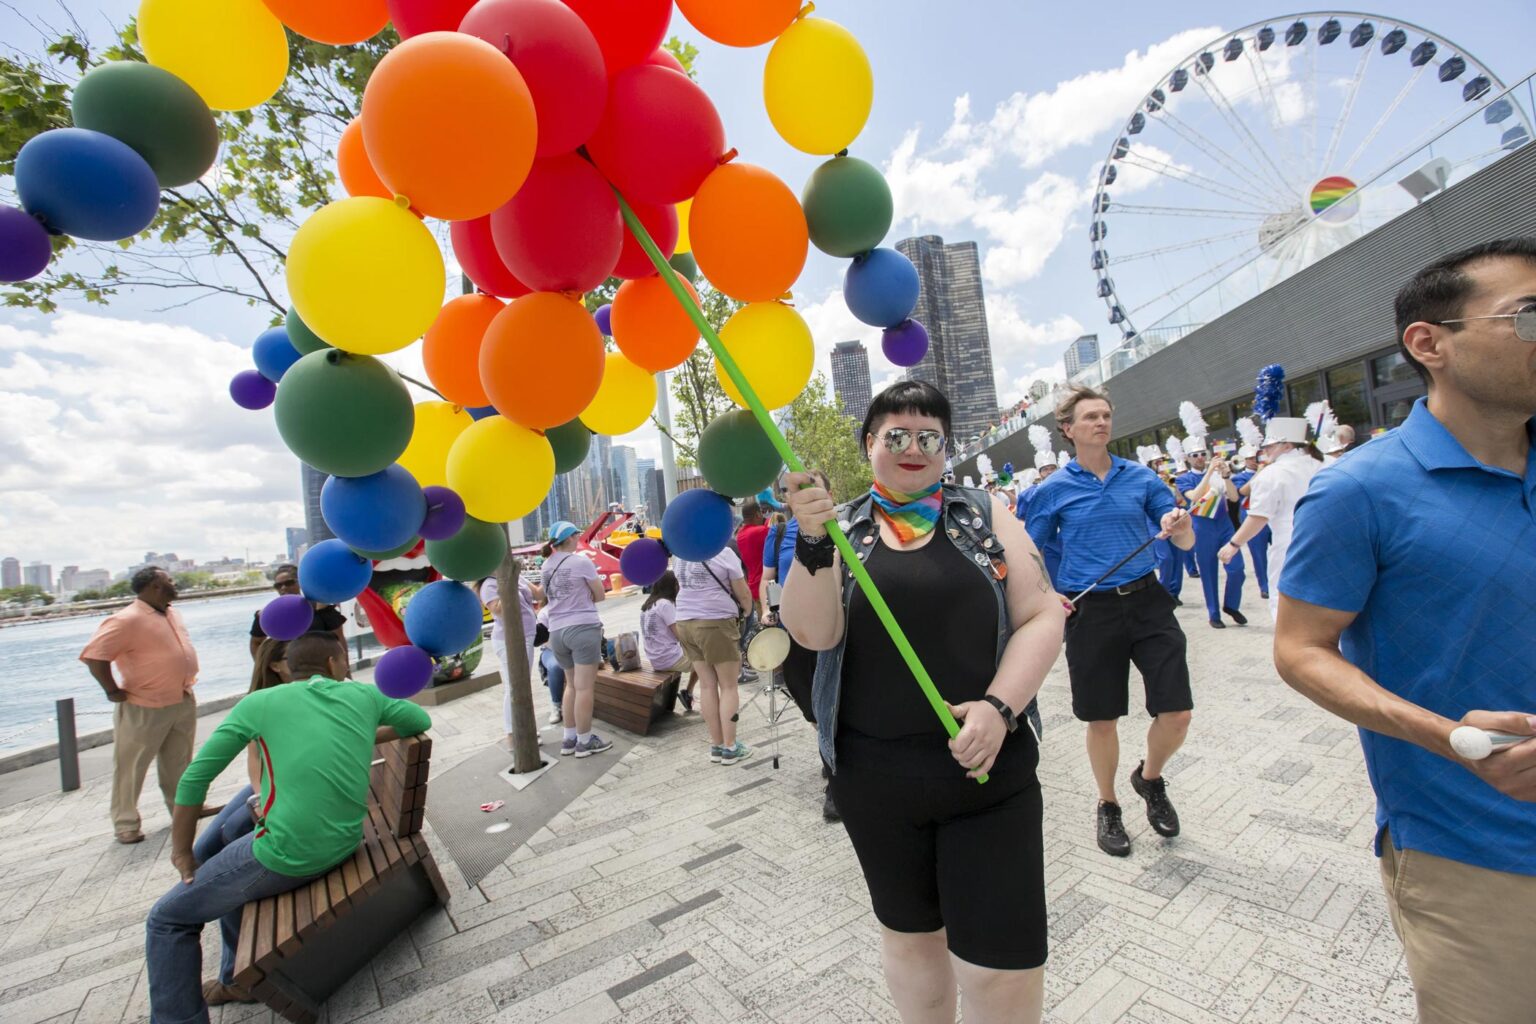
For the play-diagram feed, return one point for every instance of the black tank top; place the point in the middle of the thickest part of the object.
(948, 610)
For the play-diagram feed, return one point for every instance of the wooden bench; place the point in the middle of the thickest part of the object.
(634, 700)
(298, 947)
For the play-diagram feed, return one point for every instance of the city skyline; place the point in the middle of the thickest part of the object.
(951, 304)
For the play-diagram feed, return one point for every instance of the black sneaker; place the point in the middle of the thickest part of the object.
(1237, 616)
(685, 698)
(1218, 624)
(829, 810)
(1160, 813)
(1112, 837)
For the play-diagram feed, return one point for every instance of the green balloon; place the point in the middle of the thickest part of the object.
(570, 442)
(685, 264)
(344, 414)
(154, 113)
(848, 206)
(736, 457)
(301, 337)
(384, 556)
(473, 553)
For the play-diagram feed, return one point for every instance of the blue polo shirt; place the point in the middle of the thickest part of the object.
(1435, 553)
(1098, 522)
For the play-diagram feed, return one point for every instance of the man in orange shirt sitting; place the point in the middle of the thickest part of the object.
(156, 714)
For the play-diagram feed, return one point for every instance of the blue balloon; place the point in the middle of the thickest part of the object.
(86, 184)
(330, 572)
(604, 317)
(443, 618)
(480, 412)
(880, 287)
(378, 512)
(273, 353)
(696, 525)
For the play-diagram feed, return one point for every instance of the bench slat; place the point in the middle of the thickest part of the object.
(265, 914)
(247, 973)
(337, 892)
(303, 912)
(286, 935)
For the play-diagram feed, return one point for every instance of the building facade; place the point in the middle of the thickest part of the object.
(951, 305)
(314, 523)
(850, 378)
(626, 475)
(10, 573)
(40, 575)
(298, 542)
(74, 579)
(1082, 352)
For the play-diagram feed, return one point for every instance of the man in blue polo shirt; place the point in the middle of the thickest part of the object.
(1406, 607)
(1099, 507)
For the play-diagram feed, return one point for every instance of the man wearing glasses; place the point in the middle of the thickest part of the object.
(327, 618)
(1406, 607)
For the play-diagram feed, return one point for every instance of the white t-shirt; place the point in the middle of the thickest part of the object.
(565, 588)
(661, 648)
(705, 596)
(1274, 493)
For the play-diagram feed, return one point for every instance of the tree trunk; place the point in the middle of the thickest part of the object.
(525, 731)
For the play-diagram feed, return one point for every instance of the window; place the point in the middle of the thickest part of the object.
(1242, 407)
(1302, 393)
(1218, 418)
(1346, 393)
(1393, 413)
(1392, 369)
(1164, 432)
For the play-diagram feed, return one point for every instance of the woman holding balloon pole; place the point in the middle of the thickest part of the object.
(572, 589)
(712, 600)
(955, 869)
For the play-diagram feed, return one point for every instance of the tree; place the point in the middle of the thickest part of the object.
(26, 594)
(192, 580)
(122, 588)
(525, 732)
(827, 440)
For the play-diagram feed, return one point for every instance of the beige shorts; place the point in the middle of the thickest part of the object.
(716, 641)
(1468, 933)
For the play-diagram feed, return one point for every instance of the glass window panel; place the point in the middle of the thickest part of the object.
(1346, 393)
(1395, 412)
(1218, 418)
(1392, 369)
(1243, 407)
(1302, 393)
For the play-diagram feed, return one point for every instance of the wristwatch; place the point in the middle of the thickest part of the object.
(1009, 719)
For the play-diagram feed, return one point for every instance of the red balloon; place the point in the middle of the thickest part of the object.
(662, 58)
(559, 59)
(660, 222)
(627, 30)
(660, 135)
(562, 231)
(475, 250)
(413, 17)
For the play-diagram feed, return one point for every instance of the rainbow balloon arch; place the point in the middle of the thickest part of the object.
(564, 145)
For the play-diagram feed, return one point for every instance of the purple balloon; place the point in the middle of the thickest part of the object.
(288, 617)
(643, 561)
(445, 513)
(604, 317)
(24, 245)
(403, 672)
(251, 390)
(906, 343)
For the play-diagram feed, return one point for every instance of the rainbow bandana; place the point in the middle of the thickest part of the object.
(910, 515)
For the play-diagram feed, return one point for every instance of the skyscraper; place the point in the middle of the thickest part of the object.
(314, 522)
(950, 304)
(298, 542)
(10, 572)
(40, 575)
(850, 377)
(626, 473)
(1081, 353)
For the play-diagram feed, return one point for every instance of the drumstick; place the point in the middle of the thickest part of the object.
(1474, 744)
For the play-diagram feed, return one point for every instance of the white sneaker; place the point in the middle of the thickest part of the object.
(556, 716)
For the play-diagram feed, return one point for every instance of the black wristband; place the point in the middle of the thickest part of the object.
(814, 554)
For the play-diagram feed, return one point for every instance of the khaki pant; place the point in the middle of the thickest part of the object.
(1468, 933)
(141, 735)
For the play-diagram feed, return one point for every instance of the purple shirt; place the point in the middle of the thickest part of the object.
(661, 648)
(565, 588)
(702, 596)
(490, 591)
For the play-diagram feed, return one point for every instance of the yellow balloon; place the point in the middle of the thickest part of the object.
(772, 346)
(501, 470)
(683, 244)
(818, 86)
(233, 52)
(624, 399)
(438, 425)
(366, 275)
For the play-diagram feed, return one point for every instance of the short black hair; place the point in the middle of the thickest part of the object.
(1440, 290)
(906, 396)
(144, 577)
(310, 654)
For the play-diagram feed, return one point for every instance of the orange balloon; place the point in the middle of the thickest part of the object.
(338, 22)
(449, 123)
(748, 233)
(542, 360)
(740, 22)
(451, 350)
(357, 175)
(650, 326)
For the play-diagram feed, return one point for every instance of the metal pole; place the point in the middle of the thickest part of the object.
(668, 457)
(69, 749)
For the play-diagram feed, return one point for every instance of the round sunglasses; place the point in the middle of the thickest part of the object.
(898, 440)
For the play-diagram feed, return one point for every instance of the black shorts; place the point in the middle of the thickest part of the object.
(1109, 632)
(951, 853)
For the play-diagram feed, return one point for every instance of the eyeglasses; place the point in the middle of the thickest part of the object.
(898, 440)
(1524, 318)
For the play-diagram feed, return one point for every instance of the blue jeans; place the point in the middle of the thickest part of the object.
(228, 825)
(554, 675)
(172, 947)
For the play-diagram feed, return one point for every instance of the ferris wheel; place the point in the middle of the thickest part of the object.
(1273, 146)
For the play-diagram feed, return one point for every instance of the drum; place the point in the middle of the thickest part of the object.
(767, 648)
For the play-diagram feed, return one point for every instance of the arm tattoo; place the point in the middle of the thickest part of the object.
(1045, 578)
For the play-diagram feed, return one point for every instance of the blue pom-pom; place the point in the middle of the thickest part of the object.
(1268, 390)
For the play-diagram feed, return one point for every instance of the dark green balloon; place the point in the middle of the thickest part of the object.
(847, 206)
(685, 264)
(570, 442)
(301, 337)
(736, 457)
(344, 414)
(384, 556)
(154, 113)
(473, 553)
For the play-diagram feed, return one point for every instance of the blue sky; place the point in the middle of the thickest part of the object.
(115, 432)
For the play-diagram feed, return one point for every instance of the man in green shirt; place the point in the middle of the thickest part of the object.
(316, 737)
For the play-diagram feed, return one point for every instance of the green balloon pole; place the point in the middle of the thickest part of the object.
(850, 558)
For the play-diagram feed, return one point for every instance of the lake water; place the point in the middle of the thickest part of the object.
(40, 663)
